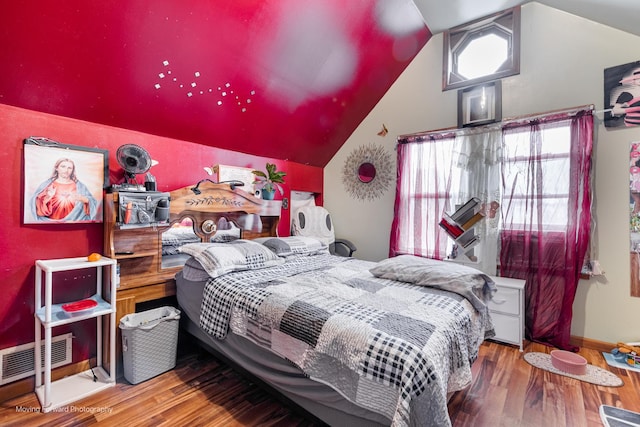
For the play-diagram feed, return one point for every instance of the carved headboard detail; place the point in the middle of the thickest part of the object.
(256, 217)
(139, 250)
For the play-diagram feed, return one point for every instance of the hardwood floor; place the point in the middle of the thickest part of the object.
(202, 391)
(507, 391)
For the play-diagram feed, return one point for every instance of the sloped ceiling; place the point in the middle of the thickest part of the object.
(287, 79)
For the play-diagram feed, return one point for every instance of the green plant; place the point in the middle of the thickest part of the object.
(269, 181)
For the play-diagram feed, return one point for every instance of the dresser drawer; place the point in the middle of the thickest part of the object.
(506, 300)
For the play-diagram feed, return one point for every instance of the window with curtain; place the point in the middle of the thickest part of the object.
(551, 155)
(436, 174)
(428, 176)
(539, 171)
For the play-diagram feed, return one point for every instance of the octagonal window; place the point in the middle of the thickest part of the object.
(483, 50)
(482, 56)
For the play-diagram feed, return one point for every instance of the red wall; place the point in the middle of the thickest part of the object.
(181, 163)
(303, 74)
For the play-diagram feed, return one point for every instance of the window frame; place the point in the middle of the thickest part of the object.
(505, 24)
(525, 159)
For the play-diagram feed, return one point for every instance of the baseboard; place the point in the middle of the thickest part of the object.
(28, 385)
(591, 344)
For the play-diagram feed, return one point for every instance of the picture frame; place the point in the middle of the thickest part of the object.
(63, 183)
(222, 173)
(480, 105)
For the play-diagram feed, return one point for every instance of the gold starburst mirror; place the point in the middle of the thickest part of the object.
(367, 172)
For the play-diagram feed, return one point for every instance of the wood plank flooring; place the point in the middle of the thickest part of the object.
(507, 391)
(202, 391)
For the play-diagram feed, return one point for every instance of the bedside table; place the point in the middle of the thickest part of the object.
(507, 310)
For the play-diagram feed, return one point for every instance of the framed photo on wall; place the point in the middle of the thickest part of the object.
(480, 105)
(63, 183)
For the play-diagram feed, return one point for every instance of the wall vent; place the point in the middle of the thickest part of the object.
(18, 362)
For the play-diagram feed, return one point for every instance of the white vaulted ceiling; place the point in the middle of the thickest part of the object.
(439, 15)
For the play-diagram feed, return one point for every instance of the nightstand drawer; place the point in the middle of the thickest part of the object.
(506, 300)
(507, 328)
(507, 310)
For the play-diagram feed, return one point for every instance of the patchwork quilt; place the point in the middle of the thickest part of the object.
(392, 347)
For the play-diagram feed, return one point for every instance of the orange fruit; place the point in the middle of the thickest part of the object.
(94, 257)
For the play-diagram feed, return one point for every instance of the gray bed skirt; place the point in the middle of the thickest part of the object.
(319, 399)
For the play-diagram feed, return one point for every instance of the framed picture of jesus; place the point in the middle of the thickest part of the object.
(63, 183)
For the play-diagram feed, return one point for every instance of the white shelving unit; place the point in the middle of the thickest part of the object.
(48, 316)
(460, 226)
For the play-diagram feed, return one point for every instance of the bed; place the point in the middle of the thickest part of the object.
(353, 342)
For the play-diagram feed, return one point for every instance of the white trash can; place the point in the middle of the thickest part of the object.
(149, 343)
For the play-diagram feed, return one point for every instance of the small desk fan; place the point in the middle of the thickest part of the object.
(134, 160)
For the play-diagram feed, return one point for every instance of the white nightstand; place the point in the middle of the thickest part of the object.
(507, 310)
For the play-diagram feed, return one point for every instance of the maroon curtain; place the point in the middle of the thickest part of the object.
(546, 217)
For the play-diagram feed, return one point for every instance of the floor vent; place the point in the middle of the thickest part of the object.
(17, 362)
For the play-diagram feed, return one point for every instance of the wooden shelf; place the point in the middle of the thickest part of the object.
(460, 227)
(135, 255)
(138, 249)
(460, 224)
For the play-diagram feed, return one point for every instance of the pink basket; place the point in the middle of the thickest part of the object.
(568, 362)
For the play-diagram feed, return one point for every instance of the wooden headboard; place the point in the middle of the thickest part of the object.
(214, 201)
(139, 250)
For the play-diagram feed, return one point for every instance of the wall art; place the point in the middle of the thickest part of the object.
(63, 183)
(634, 216)
(622, 95)
(480, 105)
(367, 172)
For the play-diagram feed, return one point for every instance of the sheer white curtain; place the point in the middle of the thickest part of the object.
(481, 165)
(437, 172)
